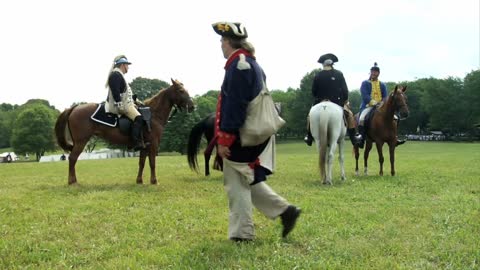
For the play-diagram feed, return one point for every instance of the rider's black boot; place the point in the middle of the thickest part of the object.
(361, 131)
(137, 130)
(400, 142)
(308, 138)
(355, 138)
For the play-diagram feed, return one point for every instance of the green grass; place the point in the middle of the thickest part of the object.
(426, 217)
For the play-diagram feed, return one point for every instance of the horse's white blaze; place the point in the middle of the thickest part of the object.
(328, 129)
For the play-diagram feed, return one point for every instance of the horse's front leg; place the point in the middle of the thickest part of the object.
(380, 156)
(357, 155)
(391, 147)
(368, 147)
(151, 160)
(141, 165)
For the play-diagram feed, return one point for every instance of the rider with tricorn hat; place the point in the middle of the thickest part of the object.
(329, 84)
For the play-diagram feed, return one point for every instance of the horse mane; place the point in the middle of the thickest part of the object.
(154, 99)
(382, 107)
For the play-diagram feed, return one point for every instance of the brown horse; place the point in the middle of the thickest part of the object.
(382, 128)
(205, 127)
(74, 128)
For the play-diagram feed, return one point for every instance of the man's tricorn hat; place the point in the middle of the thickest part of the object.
(375, 67)
(230, 29)
(328, 56)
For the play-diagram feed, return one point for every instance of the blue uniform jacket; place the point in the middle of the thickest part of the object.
(366, 91)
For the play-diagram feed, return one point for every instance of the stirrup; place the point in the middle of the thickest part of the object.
(400, 142)
(360, 143)
(308, 140)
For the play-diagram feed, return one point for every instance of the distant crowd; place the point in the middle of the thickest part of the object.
(430, 137)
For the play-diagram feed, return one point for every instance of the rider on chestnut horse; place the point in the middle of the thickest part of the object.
(120, 99)
(373, 92)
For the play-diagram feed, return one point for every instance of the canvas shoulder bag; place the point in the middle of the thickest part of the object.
(262, 120)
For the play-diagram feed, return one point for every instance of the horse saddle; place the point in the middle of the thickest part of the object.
(122, 122)
(369, 116)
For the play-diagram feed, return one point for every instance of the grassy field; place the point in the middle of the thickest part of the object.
(426, 217)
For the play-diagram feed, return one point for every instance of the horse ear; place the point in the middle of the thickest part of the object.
(404, 88)
(396, 87)
(173, 81)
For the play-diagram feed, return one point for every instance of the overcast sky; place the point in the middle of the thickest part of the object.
(61, 51)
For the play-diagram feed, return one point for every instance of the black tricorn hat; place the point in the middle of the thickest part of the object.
(230, 29)
(375, 67)
(327, 56)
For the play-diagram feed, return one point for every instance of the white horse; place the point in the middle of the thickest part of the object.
(328, 128)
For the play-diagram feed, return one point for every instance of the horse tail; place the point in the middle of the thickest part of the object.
(61, 128)
(194, 140)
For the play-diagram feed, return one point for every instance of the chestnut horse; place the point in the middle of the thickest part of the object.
(382, 128)
(206, 127)
(74, 128)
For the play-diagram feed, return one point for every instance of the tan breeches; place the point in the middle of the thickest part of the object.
(241, 199)
(131, 112)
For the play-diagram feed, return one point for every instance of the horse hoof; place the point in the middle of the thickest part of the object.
(154, 182)
(140, 182)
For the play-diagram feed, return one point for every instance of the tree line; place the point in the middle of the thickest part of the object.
(449, 105)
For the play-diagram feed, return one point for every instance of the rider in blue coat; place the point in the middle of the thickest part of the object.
(373, 92)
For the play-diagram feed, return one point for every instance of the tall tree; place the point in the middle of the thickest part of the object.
(443, 99)
(282, 100)
(418, 118)
(299, 108)
(207, 103)
(4, 132)
(7, 117)
(33, 130)
(355, 99)
(472, 96)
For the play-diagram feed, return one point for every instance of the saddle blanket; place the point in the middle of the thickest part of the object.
(102, 117)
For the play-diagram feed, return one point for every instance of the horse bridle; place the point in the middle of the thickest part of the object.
(176, 108)
(397, 112)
